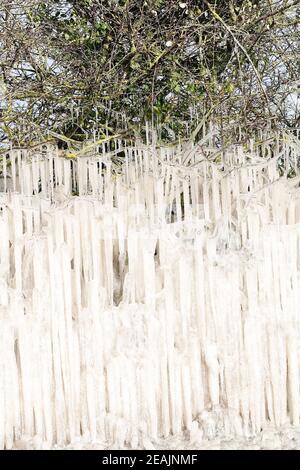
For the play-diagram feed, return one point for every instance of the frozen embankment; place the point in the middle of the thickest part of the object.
(159, 301)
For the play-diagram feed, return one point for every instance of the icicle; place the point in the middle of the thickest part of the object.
(125, 322)
(13, 169)
(4, 173)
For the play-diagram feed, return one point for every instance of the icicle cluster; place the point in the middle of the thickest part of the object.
(138, 303)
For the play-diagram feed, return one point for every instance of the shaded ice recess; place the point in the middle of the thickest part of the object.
(139, 303)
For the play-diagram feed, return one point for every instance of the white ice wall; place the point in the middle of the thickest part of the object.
(159, 299)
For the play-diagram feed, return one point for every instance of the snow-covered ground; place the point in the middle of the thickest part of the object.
(287, 438)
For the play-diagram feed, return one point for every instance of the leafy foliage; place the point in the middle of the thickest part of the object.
(74, 66)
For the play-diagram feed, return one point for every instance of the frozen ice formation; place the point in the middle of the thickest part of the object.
(140, 303)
